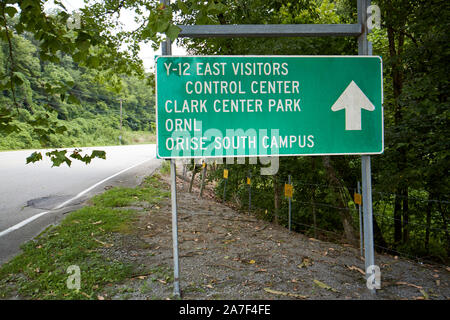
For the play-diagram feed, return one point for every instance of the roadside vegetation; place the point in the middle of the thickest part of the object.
(40, 271)
(79, 104)
(410, 179)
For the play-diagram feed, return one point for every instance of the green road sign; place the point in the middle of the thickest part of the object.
(225, 106)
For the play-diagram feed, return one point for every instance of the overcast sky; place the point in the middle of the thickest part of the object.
(146, 53)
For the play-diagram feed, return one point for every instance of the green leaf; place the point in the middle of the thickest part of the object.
(98, 154)
(182, 6)
(161, 25)
(18, 78)
(73, 99)
(324, 286)
(34, 157)
(58, 157)
(11, 11)
(7, 124)
(173, 31)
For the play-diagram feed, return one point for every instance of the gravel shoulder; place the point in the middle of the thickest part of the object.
(229, 255)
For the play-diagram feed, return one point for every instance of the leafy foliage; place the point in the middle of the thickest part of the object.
(411, 178)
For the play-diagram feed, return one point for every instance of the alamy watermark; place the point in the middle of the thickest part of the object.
(74, 280)
(74, 21)
(374, 17)
(373, 273)
(212, 145)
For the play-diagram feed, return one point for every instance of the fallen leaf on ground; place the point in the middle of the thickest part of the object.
(100, 298)
(286, 294)
(425, 294)
(252, 262)
(356, 269)
(306, 262)
(107, 245)
(408, 284)
(324, 286)
(85, 294)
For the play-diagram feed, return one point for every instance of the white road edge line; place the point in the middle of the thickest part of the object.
(25, 222)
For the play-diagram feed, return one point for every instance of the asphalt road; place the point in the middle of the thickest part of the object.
(34, 196)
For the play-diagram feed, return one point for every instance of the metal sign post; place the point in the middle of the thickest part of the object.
(166, 49)
(361, 236)
(365, 48)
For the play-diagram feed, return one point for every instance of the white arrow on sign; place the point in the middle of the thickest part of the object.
(353, 100)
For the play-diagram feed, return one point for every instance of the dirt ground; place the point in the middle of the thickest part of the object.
(229, 255)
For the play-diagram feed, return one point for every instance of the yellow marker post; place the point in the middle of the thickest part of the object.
(249, 181)
(288, 190)
(225, 176)
(357, 198)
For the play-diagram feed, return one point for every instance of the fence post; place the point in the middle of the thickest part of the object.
(225, 176)
(184, 175)
(290, 199)
(203, 178)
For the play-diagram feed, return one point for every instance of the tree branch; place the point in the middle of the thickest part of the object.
(10, 49)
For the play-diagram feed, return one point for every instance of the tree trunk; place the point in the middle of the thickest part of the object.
(428, 225)
(378, 234)
(313, 199)
(194, 172)
(346, 217)
(276, 197)
(202, 185)
(405, 216)
(445, 224)
(313, 205)
(395, 52)
(397, 220)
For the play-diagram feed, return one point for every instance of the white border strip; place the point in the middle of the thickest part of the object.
(271, 155)
(25, 222)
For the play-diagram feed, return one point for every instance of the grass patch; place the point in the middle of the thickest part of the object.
(138, 137)
(165, 168)
(40, 271)
(150, 191)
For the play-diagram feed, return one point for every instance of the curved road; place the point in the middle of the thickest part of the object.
(36, 195)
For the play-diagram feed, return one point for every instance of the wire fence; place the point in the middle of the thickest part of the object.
(419, 232)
